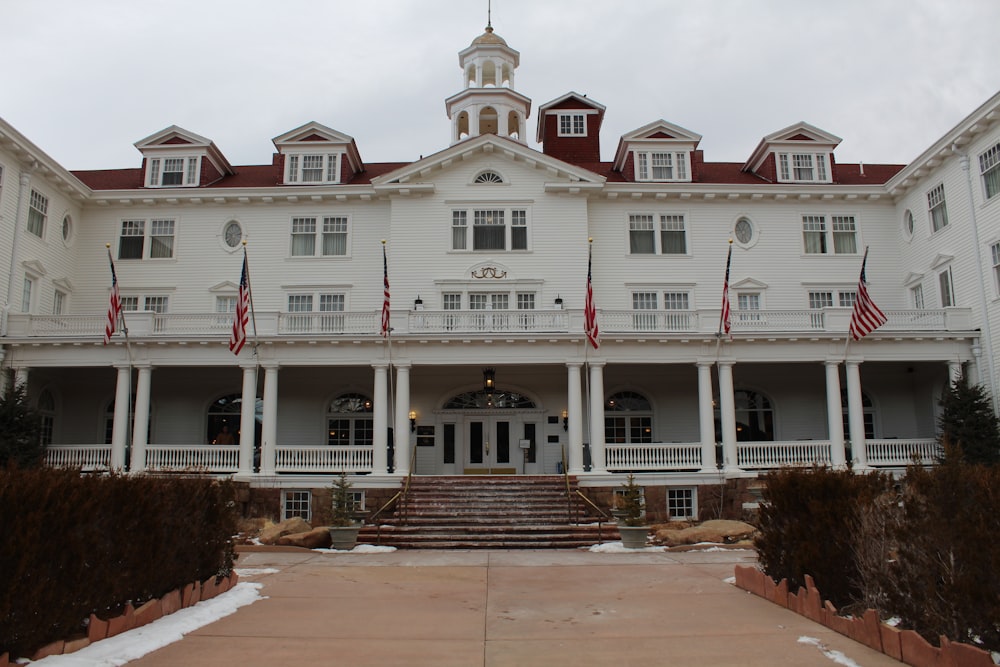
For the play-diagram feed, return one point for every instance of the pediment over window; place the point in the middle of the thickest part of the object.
(224, 286)
(177, 158)
(34, 267)
(314, 154)
(912, 278)
(748, 284)
(63, 284)
(799, 153)
(940, 260)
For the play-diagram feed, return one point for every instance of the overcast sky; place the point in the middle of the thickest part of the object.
(85, 79)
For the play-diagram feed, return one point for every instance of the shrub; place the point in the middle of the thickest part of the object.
(79, 545)
(968, 428)
(20, 437)
(806, 525)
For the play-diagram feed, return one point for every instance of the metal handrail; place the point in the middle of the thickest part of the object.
(600, 523)
(569, 499)
(398, 498)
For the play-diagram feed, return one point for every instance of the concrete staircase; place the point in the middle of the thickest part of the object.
(490, 512)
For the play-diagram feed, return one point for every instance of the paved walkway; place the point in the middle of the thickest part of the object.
(506, 608)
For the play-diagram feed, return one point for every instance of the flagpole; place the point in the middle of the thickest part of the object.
(253, 314)
(120, 317)
(387, 333)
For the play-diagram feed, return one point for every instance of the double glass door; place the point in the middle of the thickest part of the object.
(490, 446)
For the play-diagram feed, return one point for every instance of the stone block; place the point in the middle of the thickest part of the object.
(171, 602)
(872, 634)
(917, 651)
(957, 654)
(55, 648)
(97, 629)
(890, 641)
(148, 612)
(75, 645)
(191, 595)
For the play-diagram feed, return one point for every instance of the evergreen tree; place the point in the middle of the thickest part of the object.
(20, 428)
(968, 427)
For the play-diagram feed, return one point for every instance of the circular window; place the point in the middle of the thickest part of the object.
(908, 223)
(67, 229)
(232, 234)
(744, 231)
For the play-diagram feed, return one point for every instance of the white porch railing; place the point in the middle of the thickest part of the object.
(87, 458)
(324, 458)
(488, 321)
(653, 456)
(901, 452)
(328, 323)
(758, 455)
(210, 458)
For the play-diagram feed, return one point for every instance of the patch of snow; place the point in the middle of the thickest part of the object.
(619, 548)
(359, 549)
(836, 656)
(254, 571)
(720, 549)
(134, 644)
(730, 580)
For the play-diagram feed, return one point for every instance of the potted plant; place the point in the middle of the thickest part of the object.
(343, 526)
(631, 515)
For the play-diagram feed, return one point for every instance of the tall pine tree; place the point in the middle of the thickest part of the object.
(967, 425)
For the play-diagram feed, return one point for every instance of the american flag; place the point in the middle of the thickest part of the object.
(242, 315)
(726, 322)
(385, 292)
(589, 310)
(866, 316)
(114, 306)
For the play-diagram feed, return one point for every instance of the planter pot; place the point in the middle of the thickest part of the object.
(634, 537)
(344, 538)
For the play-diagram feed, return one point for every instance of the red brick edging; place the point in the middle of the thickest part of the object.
(132, 618)
(904, 645)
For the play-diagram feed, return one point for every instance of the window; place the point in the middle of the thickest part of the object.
(628, 418)
(296, 503)
(847, 299)
(947, 289)
(936, 208)
(995, 250)
(803, 167)
(349, 421)
(572, 124)
(908, 224)
(644, 301)
(917, 296)
(226, 307)
(301, 316)
(232, 234)
(67, 229)
(680, 504)
(312, 169)
(841, 235)
(492, 229)
(651, 166)
(845, 235)
(675, 301)
(744, 231)
(868, 408)
(38, 208)
(814, 233)
(132, 242)
(58, 302)
(26, 291)
(333, 240)
(173, 172)
(989, 167)
(643, 239)
(488, 177)
(754, 417)
(817, 301)
(748, 307)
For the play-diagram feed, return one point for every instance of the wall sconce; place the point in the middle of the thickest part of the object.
(413, 421)
(565, 420)
(489, 380)
(559, 302)
(418, 303)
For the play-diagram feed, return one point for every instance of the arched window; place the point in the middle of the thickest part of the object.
(498, 399)
(489, 74)
(628, 417)
(47, 414)
(488, 123)
(754, 417)
(488, 177)
(869, 415)
(223, 422)
(349, 421)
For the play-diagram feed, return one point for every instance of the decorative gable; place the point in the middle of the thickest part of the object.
(177, 158)
(799, 153)
(314, 154)
(658, 152)
(569, 128)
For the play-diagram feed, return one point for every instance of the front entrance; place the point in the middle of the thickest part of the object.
(490, 447)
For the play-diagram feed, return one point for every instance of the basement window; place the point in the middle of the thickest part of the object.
(296, 503)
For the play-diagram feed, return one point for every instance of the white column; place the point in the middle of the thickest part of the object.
(21, 377)
(954, 372)
(574, 406)
(140, 422)
(119, 428)
(402, 419)
(474, 117)
(248, 419)
(835, 415)
(706, 417)
(380, 420)
(269, 426)
(727, 408)
(598, 464)
(856, 415)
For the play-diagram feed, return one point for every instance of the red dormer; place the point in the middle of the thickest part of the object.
(176, 158)
(799, 153)
(313, 154)
(660, 152)
(569, 129)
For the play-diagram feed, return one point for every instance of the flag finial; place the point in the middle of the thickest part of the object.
(108, 246)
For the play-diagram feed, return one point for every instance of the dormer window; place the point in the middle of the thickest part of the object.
(655, 166)
(310, 168)
(173, 172)
(803, 167)
(572, 125)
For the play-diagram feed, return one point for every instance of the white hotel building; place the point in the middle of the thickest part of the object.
(487, 244)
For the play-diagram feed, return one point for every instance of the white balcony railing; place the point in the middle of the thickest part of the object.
(88, 458)
(207, 458)
(488, 321)
(324, 458)
(777, 454)
(902, 452)
(653, 456)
